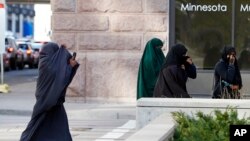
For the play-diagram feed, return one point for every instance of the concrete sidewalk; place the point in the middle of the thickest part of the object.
(88, 121)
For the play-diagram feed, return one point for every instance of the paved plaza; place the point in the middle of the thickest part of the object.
(87, 121)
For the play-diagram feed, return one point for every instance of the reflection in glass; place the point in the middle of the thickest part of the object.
(204, 32)
(242, 29)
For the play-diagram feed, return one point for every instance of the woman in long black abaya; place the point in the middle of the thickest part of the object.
(227, 70)
(49, 120)
(174, 74)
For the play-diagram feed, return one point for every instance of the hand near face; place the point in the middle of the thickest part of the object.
(189, 60)
(72, 62)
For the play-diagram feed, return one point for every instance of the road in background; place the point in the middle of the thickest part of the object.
(15, 77)
(87, 121)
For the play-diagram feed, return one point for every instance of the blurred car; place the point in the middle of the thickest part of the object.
(27, 50)
(13, 55)
(36, 46)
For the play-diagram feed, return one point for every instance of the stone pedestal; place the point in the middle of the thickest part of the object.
(150, 108)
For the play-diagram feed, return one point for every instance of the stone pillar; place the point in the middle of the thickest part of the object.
(21, 19)
(109, 37)
(13, 24)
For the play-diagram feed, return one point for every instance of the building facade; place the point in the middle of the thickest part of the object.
(20, 20)
(109, 37)
(205, 27)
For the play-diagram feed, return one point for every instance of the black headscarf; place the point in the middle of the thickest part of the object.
(55, 74)
(227, 50)
(48, 51)
(175, 55)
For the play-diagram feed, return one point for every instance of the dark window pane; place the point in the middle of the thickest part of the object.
(6, 41)
(9, 26)
(242, 36)
(204, 26)
(23, 46)
(17, 26)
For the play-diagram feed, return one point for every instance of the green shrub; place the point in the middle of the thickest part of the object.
(206, 127)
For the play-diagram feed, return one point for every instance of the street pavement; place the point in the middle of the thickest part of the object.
(87, 121)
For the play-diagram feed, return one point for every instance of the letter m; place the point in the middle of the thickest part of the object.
(242, 8)
(184, 8)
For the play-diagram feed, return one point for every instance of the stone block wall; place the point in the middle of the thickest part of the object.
(109, 37)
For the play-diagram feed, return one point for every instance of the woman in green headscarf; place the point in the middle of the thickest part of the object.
(150, 65)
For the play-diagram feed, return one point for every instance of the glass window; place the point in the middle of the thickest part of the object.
(9, 25)
(23, 46)
(204, 26)
(6, 41)
(17, 25)
(242, 31)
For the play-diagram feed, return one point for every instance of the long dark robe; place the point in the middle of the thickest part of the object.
(150, 65)
(227, 72)
(49, 120)
(172, 81)
(172, 78)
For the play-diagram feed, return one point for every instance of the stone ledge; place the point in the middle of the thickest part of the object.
(150, 108)
(192, 103)
(160, 129)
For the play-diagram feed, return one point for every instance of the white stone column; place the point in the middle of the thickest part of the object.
(21, 25)
(32, 21)
(13, 24)
(6, 19)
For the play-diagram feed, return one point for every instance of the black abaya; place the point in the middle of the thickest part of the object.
(49, 120)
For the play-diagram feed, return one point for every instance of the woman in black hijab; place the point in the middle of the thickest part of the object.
(174, 74)
(227, 71)
(49, 120)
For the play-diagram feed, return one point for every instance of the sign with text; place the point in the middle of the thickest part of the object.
(239, 132)
(206, 26)
(211, 7)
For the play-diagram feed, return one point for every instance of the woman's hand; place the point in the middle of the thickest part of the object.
(190, 61)
(73, 62)
(234, 87)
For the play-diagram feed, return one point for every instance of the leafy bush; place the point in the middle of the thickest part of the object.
(206, 127)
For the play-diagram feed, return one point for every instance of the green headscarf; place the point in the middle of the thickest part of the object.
(150, 65)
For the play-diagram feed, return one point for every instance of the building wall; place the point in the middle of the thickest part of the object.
(109, 37)
(20, 20)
